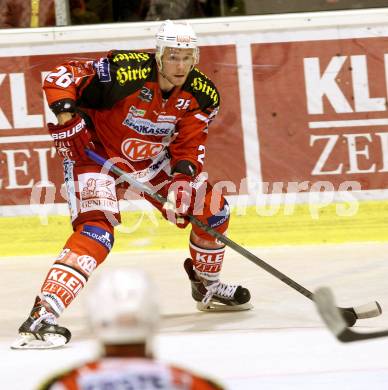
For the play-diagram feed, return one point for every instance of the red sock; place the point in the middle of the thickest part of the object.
(85, 249)
(207, 262)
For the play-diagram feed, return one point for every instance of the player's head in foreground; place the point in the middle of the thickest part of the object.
(176, 53)
(123, 312)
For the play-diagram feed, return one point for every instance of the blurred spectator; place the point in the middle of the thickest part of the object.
(41, 13)
(26, 13)
(175, 9)
(224, 7)
(130, 10)
(91, 11)
(255, 7)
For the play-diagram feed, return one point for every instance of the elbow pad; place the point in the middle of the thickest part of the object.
(186, 167)
(63, 105)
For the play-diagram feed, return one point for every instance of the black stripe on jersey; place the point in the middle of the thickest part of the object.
(129, 71)
(203, 89)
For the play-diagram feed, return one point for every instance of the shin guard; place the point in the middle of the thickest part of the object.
(66, 278)
(86, 248)
(207, 262)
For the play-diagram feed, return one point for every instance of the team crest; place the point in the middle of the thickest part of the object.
(146, 94)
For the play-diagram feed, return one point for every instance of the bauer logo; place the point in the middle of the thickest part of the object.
(71, 132)
(103, 70)
(139, 150)
(100, 235)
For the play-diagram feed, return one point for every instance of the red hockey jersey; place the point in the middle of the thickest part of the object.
(125, 373)
(121, 95)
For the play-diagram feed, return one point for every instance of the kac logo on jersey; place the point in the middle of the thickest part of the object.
(139, 150)
(103, 70)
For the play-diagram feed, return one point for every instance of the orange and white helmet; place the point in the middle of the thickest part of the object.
(122, 307)
(179, 35)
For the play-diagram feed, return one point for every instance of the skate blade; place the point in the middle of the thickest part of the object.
(28, 341)
(219, 307)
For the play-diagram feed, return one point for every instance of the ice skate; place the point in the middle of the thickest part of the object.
(217, 296)
(41, 331)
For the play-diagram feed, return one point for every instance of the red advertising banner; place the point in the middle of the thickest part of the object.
(26, 152)
(322, 111)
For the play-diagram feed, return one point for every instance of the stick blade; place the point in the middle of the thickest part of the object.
(325, 304)
(331, 315)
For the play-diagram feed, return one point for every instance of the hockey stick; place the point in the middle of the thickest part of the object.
(325, 303)
(351, 314)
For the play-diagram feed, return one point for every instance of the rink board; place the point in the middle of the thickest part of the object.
(303, 103)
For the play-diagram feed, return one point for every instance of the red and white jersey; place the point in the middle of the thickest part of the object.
(126, 373)
(132, 120)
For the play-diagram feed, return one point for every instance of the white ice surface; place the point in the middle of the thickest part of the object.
(280, 345)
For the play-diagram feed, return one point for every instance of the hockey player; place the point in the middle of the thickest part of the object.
(123, 312)
(150, 113)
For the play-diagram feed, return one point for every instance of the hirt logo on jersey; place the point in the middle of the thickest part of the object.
(139, 150)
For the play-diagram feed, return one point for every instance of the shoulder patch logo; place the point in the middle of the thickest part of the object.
(146, 94)
(102, 67)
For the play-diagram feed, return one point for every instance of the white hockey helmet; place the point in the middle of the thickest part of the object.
(178, 35)
(122, 307)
